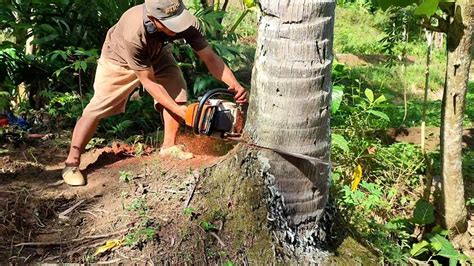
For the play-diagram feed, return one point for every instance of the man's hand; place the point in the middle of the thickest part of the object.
(183, 110)
(222, 72)
(240, 94)
(158, 92)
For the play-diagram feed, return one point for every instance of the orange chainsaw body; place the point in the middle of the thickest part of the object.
(216, 117)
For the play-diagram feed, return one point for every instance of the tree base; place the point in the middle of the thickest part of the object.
(242, 189)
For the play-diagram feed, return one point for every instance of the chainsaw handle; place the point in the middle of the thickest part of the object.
(203, 101)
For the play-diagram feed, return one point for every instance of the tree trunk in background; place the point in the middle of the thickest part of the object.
(289, 110)
(453, 211)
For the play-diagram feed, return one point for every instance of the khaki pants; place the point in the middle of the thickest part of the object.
(113, 85)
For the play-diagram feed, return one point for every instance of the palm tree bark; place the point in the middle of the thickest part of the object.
(453, 213)
(289, 110)
(277, 202)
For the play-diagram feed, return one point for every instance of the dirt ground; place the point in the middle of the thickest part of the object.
(413, 135)
(44, 220)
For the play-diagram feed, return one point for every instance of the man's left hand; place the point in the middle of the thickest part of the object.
(240, 94)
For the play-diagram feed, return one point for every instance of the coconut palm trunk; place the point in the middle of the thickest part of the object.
(278, 202)
(459, 44)
(290, 107)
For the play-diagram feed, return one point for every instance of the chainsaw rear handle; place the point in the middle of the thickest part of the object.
(203, 101)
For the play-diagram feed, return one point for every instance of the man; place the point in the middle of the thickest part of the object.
(135, 52)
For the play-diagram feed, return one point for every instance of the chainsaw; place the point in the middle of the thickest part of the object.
(217, 117)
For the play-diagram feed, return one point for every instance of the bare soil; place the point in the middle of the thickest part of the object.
(432, 137)
(33, 199)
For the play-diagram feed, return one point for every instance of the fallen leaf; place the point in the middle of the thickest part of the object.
(357, 177)
(109, 245)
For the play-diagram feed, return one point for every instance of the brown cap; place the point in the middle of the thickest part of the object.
(171, 13)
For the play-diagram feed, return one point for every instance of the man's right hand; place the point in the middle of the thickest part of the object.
(158, 92)
(183, 109)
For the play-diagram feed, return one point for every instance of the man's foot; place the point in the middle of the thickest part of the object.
(73, 177)
(176, 151)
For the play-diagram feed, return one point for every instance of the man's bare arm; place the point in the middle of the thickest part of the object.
(221, 71)
(158, 92)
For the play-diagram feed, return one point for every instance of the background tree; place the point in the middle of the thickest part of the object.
(457, 22)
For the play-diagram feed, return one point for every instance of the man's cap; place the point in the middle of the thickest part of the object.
(171, 13)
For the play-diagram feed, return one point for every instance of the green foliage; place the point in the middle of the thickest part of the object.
(4, 100)
(424, 213)
(189, 212)
(61, 23)
(353, 22)
(207, 226)
(403, 26)
(125, 176)
(121, 128)
(222, 40)
(336, 98)
(229, 263)
(79, 59)
(140, 117)
(140, 236)
(391, 173)
(424, 7)
(139, 205)
(145, 229)
(361, 110)
(340, 142)
(94, 143)
(390, 81)
(67, 105)
(434, 246)
(365, 4)
(80, 26)
(68, 35)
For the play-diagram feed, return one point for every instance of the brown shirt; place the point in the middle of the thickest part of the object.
(134, 41)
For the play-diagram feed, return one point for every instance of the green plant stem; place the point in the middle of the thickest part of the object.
(239, 20)
(429, 39)
(429, 175)
(405, 41)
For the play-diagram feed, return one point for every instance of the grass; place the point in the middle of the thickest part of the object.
(469, 103)
(352, 22)
(433, 112)
(394, 79)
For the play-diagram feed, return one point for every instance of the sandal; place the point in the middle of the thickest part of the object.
(177, 151)
(73, 177)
